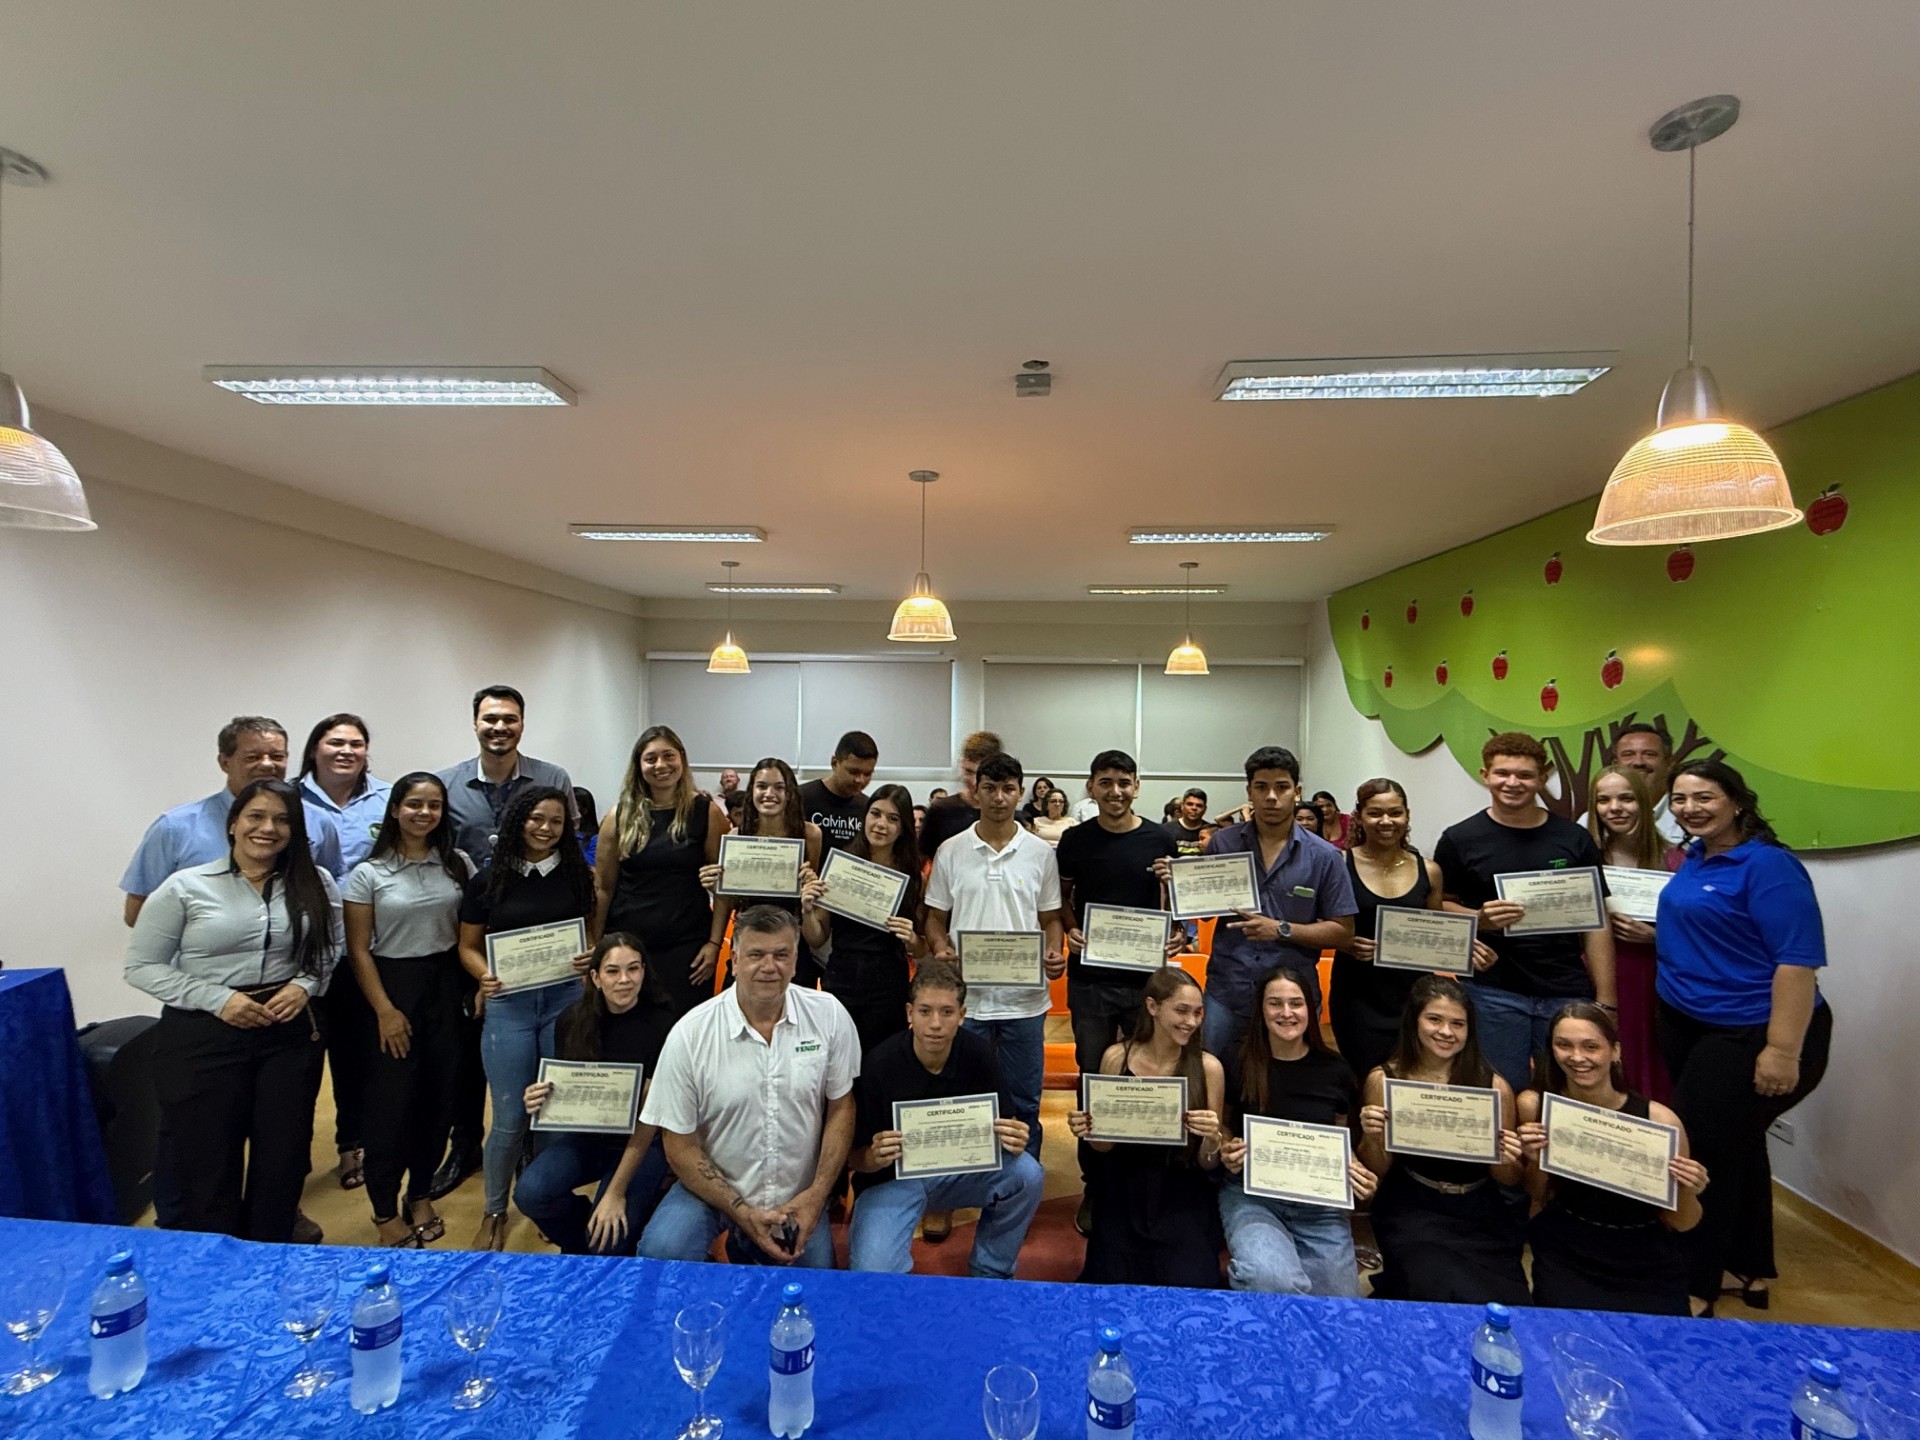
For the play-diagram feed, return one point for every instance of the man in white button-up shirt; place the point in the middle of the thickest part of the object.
(754, 1100)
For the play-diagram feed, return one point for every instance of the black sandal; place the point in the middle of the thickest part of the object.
(408, 1241)
(353, 1168)
(432, 1230)
(1750, 1292)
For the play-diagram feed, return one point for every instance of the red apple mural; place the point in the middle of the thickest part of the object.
(1387, 680)
(1553, 568)
(1440, 672)
(1550, 696)
(1612, 672)
(1413, 611)
(1466, 604)
(1680, 564)
(1366, 619)
(1828, 513)
(1500, 666)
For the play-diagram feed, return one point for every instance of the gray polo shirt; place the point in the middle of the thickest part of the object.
(416, 904)
(477, 804)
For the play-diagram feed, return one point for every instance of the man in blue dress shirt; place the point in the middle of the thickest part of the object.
(478, 789)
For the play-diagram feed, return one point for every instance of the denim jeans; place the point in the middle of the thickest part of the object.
(1020, 1050)
(518, 1031)
(1513, 1030)
(1285, 1248)
(881, 1236)
(566, 1162)
(1225, 1025)
(684, 1227)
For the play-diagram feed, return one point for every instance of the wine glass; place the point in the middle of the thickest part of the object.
(30, 1296)
(699, 1340)
(473, 1309)
(1596, 1406)
(309, 1289)
(1012, 1403)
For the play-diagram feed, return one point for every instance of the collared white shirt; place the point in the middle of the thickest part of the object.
(981, 888)
(542, 868)
(758, 1105)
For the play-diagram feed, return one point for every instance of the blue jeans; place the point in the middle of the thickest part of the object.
(1020, 1050)
(881, 1236)
(1225, 1025)
(1286, 1248)
(517, 1032)
(685, 1227)
(566, 1162)
(1513, 1029)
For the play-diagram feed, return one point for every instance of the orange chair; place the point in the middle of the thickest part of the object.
(1062, 1069)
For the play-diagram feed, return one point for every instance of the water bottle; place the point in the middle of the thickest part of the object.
(1109, 1390)
(118, 1329)
(1821, 1409)
(376, 1343)
(1497, 1365)
(790, 1378)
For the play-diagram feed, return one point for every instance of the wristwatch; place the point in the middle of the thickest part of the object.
(1286, 929)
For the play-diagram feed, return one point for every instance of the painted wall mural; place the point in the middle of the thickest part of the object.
(1795, 654)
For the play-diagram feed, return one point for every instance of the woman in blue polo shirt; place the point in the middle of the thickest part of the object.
(1742, 1023)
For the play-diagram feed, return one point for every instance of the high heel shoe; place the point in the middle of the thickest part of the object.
(492, 1234)
(1754, 1294)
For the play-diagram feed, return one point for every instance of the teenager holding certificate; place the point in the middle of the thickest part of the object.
(896, 1181)
(647, 867)
(1593, 1247)
(1622, 825)
(537, 878)
(867, 965)
(1744, 1027)
(837, 803)
(620, 1017)
(1522, 980)
(1156, 1220)
(773, 811)
(1446, 1231)
(1284, 1071)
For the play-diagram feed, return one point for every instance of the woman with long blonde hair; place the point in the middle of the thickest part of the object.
(1621, 820)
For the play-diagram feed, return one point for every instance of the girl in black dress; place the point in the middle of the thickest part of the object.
(1594, 1249)
(1156, 1220)
(647, 868)
(1446, 1231)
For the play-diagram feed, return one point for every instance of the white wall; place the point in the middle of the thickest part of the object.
(124, 651)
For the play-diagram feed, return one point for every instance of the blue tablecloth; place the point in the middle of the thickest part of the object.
(52, 1166)
(584, 1349)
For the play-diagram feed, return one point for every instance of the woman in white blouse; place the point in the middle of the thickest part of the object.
(236, 950)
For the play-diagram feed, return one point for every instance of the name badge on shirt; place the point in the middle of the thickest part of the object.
(1305, 892)
(806, 1047)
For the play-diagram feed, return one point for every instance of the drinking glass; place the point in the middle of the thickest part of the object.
(1891, 1412)
(30, 1295)
(1574, 1351)
(1596, 1406)
(473, 1309)
(309, 1289)
(699, 1340)
(1012, 1403)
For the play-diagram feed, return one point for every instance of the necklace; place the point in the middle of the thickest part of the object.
(1398, 860)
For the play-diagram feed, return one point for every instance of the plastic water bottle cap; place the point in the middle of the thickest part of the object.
(1110, 1339)
(120, 1262)
(1499, 1316)
(790, 1295)
(378, 1275)
(1825, 1371)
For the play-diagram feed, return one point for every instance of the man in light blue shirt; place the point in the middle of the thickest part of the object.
(251, 747)
(334, 777)
(478, 789)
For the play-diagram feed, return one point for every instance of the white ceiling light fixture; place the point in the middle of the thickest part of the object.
(1187, 658)
(686, 534)
(922, 617)
(1699, 476)
(1156, 589)
(1299, 535)
(38, 487)
(484, 386)
(1415, 377)
(728, 658)
(771, 587)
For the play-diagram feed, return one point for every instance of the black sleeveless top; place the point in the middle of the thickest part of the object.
(1603, 1207)
(1367, 992)
(659, 896)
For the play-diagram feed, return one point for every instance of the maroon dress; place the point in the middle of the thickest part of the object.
(1634, 970)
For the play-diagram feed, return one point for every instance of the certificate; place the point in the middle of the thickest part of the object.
(1635, 893)
(1291, 1160)
(1136, 1109)
(1559, 902)
(861, 890)
(946, 1137)
(538, 955)
(760, 865)
(1449, 1122)
(600, 1099)
(1405, 939)
(1202, 885)
(1120, 937)
(1616, 1152)
(1004, 957)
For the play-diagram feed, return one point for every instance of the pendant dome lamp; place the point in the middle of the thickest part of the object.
(1187, 658)
(728, 658)
(1699, 476)
(38, 488)
(922, 617)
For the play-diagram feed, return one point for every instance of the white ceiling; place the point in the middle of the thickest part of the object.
(788, 252)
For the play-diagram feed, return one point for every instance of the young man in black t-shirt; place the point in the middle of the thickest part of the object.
(838, 803)
(951, 815)
(935, 1059)
(1518, 991)
(1188, 824)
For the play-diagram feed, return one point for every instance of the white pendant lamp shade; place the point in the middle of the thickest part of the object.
(38, 489)
(922, 618)
(728, 658)
(1187, 658)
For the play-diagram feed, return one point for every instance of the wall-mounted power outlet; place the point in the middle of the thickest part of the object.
(1781, 1130)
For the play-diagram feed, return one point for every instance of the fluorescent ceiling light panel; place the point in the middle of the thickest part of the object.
(1156, 590)
(1414, 377)
(1299, 535)
(390, 385)
(695, 534)
(771, 587)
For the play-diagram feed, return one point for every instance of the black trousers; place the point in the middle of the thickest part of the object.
(469, 1125)
(236, 1114)
(350, 1026)
(875, 1019)
(409, 1101)
(1727, 1120)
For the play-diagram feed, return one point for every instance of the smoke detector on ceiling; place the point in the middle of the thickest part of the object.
(1036, 380)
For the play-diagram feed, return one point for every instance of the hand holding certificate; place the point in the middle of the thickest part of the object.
(537, 955)
(1004, 957)
(597, 1099)
(1635, 893)
(762, 865)
(1119, 937)
(861, 890)
(1616, 1152)
(1291, 1160)
(946, 1137)
(1429, 940)
(1203, 885)
(1135, 1109)
(1558, 902)
(1448, 1122)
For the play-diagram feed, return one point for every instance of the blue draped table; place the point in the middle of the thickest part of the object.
(585, 1349)
(52, 1165)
